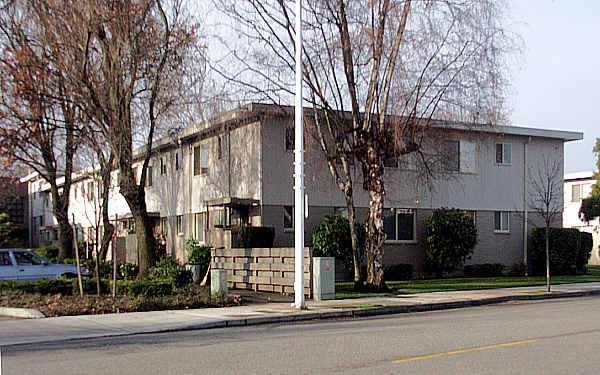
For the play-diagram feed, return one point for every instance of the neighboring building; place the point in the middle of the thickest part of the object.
(237, 169)
(577, 187)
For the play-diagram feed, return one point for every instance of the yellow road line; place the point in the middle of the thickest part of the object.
(466, 350)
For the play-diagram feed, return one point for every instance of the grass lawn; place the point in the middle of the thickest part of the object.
(344, 289)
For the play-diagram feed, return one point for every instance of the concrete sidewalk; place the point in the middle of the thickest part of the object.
(27, 331)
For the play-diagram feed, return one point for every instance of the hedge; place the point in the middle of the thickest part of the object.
(484, 270)
(399, 272)
(569, 251)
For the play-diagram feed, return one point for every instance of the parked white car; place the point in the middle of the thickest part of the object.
(25, 265)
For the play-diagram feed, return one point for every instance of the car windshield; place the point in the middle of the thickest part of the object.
(24, 258)
(5, 259)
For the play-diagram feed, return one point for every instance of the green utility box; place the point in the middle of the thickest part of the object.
(323, 278)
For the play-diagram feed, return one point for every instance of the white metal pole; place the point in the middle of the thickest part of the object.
(299, 170)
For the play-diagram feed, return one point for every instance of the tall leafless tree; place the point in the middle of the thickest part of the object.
(39, 123)
(124, 60)
(546, 197)
(366, 60)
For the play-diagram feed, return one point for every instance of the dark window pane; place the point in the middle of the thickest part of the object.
(405, 226)
(451, 156)
(497, 220)
(288, 217)
(389, 224)
(499, 153)
(196, 160)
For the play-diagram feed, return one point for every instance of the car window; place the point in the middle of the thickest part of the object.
(5, 259)
(23, 258)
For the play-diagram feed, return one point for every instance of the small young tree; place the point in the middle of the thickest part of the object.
(451, 238)
(546, 198)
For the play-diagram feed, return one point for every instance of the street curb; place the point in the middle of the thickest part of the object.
(343, 312)
(14, 312)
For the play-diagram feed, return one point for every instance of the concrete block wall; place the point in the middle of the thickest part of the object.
(262, 269)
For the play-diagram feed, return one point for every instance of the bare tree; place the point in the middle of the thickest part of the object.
(39, 124)
(546, 197)
(123, 61)
(365, 60)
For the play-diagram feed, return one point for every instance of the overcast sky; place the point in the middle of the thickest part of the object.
(556, 86)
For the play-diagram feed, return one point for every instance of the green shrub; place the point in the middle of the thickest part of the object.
(518, 269)
(197, 254)
(89, 286)
(331, 238)
(129, 271)
(484, 270)
(254, 237)
(54, 286)
(23, 286)
(167, 268)
(149, 288)
(399, 272)
(451, 236)
(48, 252)
(569, 251)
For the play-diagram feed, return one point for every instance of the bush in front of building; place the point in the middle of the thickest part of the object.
(254, 237)
(167, 268)
(484, 270)
(399, 272)
(145, 288)
(451, 237)
(569, 251)
(129, 271)
(331, 238)
(50, 253)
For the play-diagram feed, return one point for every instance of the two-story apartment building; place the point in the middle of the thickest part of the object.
(577, 187)
(237, 169)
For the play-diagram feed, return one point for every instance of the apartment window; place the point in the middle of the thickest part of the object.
(196, 160)
(288, 218)
(199, 225)
(451, 156)
(163, 165)
(163, 226)
(178, 159)
(576, 192)
(90, 191)
(204, 158)
(223, 146)
(201, 159)
(502, 221)
(149, 176)
(400, 225)
(503, 153)
(179, 224)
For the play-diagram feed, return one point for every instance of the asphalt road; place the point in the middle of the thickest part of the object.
(549, 337)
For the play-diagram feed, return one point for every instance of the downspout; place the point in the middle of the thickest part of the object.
(525, 205)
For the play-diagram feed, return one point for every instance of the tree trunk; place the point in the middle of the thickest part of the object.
(357, 255)
(548, 257)
(135, 196)
(65, 238)
(373, 182)
(146, 243)
(108, 228)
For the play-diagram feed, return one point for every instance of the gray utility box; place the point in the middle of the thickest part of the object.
(218, 283)
(323, 278)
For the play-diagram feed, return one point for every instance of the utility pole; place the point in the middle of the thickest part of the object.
(299, 171)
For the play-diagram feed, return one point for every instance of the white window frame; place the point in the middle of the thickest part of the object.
(504, 160)
(576, 197)
(179, 225)
(398, 211)
(502, 230)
